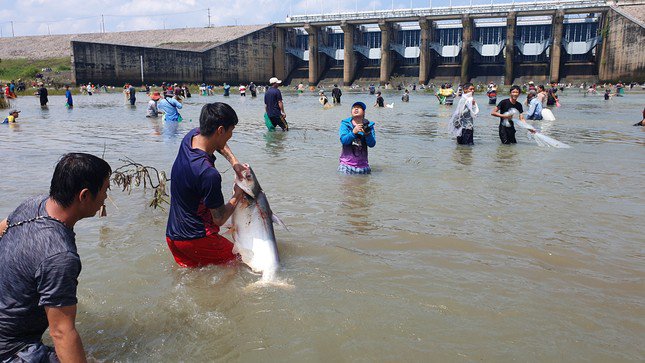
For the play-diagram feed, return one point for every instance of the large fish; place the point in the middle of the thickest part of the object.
(252, 228)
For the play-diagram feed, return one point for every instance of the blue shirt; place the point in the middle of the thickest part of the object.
(271, 99)
(68, 95)
(535, 109)
(170, 107)
(196, 187)
(39, 267)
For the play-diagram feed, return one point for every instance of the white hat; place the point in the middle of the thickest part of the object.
(274, 80)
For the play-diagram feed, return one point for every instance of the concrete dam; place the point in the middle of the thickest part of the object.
(563, 41)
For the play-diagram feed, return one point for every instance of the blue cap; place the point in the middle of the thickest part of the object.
(359, 104)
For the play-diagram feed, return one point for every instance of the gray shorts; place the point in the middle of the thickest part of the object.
(34, 353)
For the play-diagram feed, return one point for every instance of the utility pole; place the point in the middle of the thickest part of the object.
(48, 31)
(102, 24)
(209, 17)
(12, 33)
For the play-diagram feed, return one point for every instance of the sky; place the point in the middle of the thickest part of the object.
(42, 17)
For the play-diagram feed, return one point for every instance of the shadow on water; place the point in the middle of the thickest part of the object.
(275, 142)
(170, 130)
(356, 206)
(463, 154)
(506, 155)
(44, 112)
(156, 125)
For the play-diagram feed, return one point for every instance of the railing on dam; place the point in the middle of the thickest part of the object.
(455, 11)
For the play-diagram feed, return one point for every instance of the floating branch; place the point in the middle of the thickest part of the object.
(135, 173)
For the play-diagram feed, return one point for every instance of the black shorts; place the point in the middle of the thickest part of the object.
(466, 137)
(277, 121)
(507, 134)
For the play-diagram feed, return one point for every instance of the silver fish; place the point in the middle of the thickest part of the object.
(252, 228)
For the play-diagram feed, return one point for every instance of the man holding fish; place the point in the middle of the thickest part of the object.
(197, 205)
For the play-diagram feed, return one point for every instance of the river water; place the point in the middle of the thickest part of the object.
(444, 253)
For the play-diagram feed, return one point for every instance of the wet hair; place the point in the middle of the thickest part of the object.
(215, 115)
(467, 85)
(75, 172)
(515, 87)
(541, 87)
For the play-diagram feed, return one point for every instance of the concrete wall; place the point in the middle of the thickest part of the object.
(255, 57)
(623, 49)
(116, 64)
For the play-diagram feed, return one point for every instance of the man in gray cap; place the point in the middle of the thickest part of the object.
(535, 106)
(274, 106)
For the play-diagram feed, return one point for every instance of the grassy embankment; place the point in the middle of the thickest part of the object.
(27, 69)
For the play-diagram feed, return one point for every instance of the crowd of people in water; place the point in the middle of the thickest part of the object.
(356, 133)
(40, 263)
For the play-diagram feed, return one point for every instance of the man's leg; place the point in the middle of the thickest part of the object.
(209, 250)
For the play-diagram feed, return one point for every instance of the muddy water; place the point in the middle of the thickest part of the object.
(444, 253)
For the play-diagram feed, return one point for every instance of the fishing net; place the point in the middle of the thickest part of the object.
(538, 137)
(457, 121)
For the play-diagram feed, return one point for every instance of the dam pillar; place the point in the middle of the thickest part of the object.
(349, 57)
(601, 50)
(425, 61)
(556, 47)
(387, 60)
(466, 50)
(279, 54)
(509, 52)
(314, 55)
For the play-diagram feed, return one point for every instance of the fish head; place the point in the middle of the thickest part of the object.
(249, 183)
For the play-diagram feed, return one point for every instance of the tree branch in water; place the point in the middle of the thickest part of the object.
(135, 173)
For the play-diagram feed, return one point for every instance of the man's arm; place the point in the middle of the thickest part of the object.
(497, 114)
(3, 226)
(237, 167)
(223, 213)
(281, 105)
(68, 344)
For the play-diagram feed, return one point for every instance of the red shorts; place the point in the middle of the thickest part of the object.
(209, 250)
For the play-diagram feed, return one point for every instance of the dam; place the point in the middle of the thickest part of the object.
(561, 41)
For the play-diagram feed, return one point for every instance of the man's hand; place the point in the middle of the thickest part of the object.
(240, 169)
(3, 226)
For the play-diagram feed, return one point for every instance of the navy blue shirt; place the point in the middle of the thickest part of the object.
(39, 266)
(271, 99)
(195, 188)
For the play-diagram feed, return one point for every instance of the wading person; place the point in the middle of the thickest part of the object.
(42, 93)
(40, 265)
(68, 97)
(153, 110)
(380, 102)
(406, 96)
(552, 95)
(13, 115)
(132, 92)
(197, 205)
(170, 107)
(356, 135)
(335, 94)
(464, 116)
(506, 126)
(535, 106)
(273, 105)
